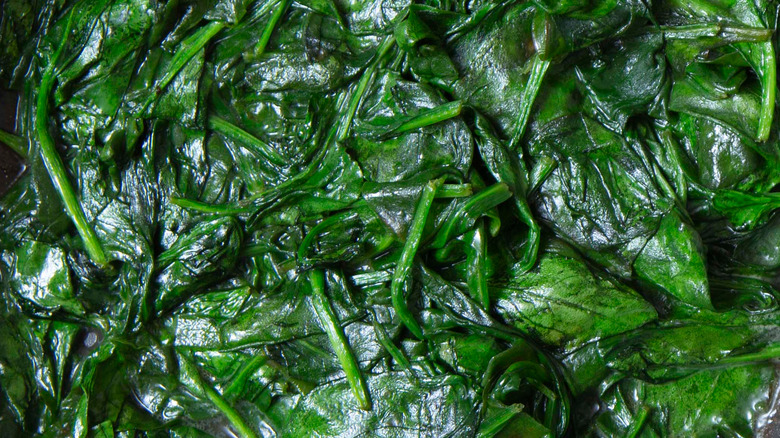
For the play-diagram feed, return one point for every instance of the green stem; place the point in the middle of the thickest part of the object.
(731, 33)
(639, 424)
(338, 340)
(189, 47)
(315, 231)
(234, 132)
(551, 411)
(768, 353)
(771, 352)
(395, 352)
(531, 251)
(769, 90)
(371, 278)
(258, 249)
(454, 191)
(190, 369)
(56, 168)
(432, 116)
(239, 382)
(541, 170)
(538, 70)
(16, 143)
(476, 261)
(404, 265)
(357, 95)
(243, 430)
(207, 208)
(471, 210)
(269, 28)
(491, 426)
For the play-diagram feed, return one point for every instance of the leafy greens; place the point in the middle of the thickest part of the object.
(391, 218)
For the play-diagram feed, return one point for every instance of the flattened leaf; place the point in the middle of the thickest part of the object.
(602, 196)
(562, 303)
(625, 78)
(674, 260)
(709, 403)
(43, 277)
(492, 61)
(721, 158)
(386, 155)
(438, 406)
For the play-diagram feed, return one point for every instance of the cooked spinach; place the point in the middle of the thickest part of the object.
(392, 218)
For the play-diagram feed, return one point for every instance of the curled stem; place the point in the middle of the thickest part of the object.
(317, 229)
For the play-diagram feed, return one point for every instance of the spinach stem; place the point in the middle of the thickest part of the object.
(189, 47)
(258, 249)
(243, 430)
(269, 28)
(338, 340)
(54, 164)
(454, 191)
(432, 116)
(360, 89)
(768, 353)
(188, 366)
(395, 352)
(639, 424)
(692, 31)
(371, 278)
(527, 98)
(551, 411)
(771, 352)
(768, 92)
(491, 426)
(207, 208)
(323, 224)
(543, 168)
(484, 200)
(16, 143)
(476, 261)
(243, 374)
(404, 265)
(255, 144)
(470, 211)
(531, 249)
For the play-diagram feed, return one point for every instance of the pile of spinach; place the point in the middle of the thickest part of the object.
(392, 218)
